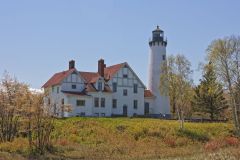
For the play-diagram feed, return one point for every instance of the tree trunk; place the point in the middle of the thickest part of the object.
(182, 120)
(234, 109)
(180, 117)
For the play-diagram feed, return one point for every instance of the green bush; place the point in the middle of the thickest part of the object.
(193, 135)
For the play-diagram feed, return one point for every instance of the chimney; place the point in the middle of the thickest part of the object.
(101, 67)
(71, 64)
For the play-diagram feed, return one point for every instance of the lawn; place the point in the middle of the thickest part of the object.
(126, 138)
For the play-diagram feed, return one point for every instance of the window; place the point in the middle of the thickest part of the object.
(125, 76)
(63, 101)
(135, 88)
(135, 104)
(74, 86)
(96, 102)
(102, 102)
(114, 87)
(102, 114)
(74, 77)
(100, 86)
(57, 89)
(114, 103)
(125, 92)
(52, 89)
(80, 102)
(164, 57)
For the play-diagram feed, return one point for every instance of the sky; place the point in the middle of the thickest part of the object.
(38, 38)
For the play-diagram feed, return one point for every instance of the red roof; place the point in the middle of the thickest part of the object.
(148, 93)
(90, 88)
(111, 70)
(89, 77)
(57, 78)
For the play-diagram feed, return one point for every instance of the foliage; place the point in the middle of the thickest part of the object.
(22, 114)
(125, 138)
(209, 98)
(12, 95)
(176, 82)
(198, 136)
(41, 126)
(225, 57)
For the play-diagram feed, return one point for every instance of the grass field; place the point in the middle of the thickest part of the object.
(125, 138)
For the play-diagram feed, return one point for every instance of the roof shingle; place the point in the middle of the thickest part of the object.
(57, 78)
(148, 93)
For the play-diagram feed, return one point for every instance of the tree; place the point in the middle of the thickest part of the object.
(209, 96)
(22, 113)
(42, 125)
(225, 57)
(12, 95)
(176, 82)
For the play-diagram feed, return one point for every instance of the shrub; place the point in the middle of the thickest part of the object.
(155, 134)
(231, 141)
(19, 145)
(213, 145)
(121, 128)
(170, 141)
(182, 141)
(140, 134)
(63, 142)
(193, 135)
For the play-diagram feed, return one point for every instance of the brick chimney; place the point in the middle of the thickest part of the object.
(71, 64)
(101, 67)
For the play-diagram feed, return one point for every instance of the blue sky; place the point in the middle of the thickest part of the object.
(38, 38)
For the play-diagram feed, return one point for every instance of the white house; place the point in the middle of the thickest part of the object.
(111, 91)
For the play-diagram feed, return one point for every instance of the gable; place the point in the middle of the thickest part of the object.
(110, 71)
(127, 75)
(57, 78)
(74, 77)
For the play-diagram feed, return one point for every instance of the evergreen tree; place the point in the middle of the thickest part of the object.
(209, 96)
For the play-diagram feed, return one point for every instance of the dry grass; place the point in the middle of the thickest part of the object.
(125, 138)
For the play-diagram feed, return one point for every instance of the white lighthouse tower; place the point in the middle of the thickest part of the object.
(158, 44)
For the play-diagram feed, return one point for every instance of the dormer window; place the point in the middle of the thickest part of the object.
(74, 86)
(100, 86)
(74, 77)
(125, 76)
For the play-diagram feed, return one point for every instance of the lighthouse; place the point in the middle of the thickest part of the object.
(157, 56)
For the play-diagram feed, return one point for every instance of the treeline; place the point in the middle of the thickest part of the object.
(217, 96)
(22, 114)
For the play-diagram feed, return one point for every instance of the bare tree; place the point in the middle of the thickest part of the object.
(176, 82)
(225, 56)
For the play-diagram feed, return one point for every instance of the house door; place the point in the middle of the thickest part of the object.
(146, 108)
(125, 110)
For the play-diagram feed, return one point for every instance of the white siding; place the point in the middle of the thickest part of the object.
(89, 109)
